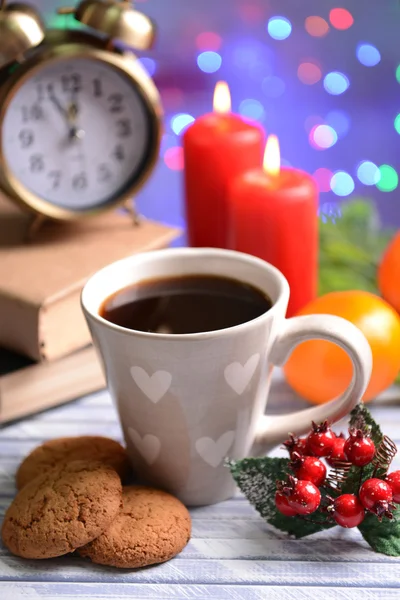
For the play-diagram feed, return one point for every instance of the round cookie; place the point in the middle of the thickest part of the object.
(152, 527)
(61, 451)
(62, 509)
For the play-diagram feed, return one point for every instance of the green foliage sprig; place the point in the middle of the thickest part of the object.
(257, 478)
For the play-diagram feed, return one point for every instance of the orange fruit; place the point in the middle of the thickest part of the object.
(389, 273)
(319, 370)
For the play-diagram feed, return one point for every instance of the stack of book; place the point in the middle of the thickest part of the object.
(40, 314)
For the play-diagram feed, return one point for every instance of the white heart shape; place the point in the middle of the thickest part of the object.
(148, 446)
(238, 376)
(154, 386)
(213, 453)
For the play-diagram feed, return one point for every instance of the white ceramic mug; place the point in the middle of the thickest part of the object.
(187, 402)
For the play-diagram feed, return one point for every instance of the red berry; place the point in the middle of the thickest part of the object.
(305, 497)
(376, 496)
(348, 510)
(282, 504)
(295, 444)
(311, 469)
(321, 439)
(359, 449)
(337, 453)
(393, 479)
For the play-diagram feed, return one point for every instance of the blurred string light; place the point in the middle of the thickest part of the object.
(174, 158)
(323, 178)
(208, 40)
(309, 73)
(149, 64)
(389, 180)
(322, 137)
(180, 122)
(368, 55)
(398, 73)
(279, 28)
(341, 18)
(253, 109)
(342, 184)
(397, 123)
(316, 26)
(209, 61)
(273, 87)
(312, 121)
(368, 172)
(336, 83)
(339, 120)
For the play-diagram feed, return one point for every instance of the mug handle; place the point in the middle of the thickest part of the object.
(272, 430)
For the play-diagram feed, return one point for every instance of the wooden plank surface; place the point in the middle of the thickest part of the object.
(232, 555)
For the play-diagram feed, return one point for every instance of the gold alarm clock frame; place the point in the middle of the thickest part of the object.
(62, 45)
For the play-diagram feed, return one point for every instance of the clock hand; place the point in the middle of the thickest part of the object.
(56, 102)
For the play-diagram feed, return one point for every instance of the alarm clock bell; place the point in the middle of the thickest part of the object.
(117, 20)
(21, 29)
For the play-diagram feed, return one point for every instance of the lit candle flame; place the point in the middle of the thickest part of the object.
(272, 156)
(222, 98)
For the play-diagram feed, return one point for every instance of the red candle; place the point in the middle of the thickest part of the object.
(274, 216)
(217, 147)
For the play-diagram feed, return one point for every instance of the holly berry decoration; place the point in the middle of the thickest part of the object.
(303, 496)
(359, 449)
(321, 439)
(329, 480)
(308, 468)
(295, 444)
(376, 496)
(282, 504)
(347, 510)
(393, 479)
(337, 454)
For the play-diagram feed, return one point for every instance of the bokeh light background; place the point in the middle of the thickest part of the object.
(324, 75)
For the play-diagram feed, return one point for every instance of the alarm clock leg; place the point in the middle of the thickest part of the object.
(34, 227)
(130, 208)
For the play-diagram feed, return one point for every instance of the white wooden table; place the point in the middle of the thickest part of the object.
(232, 555)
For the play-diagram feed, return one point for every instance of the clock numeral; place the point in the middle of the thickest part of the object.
(40, 92)
(119, 153)
(104, 173)
(97, 88)
(124, 128)
(55, 176)
(36, 163)
(115, 102)
(32, 113)
(80, 182)
(71, 83)
(26, 137)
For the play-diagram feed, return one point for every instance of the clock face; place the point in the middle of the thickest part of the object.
(77, 133)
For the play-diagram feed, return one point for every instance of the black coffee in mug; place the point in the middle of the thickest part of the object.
(186, 304)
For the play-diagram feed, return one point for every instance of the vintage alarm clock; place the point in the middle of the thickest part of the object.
(80, 118)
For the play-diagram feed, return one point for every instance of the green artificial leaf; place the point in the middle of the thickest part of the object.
(361, 415)
(256, 478)
(382, 536)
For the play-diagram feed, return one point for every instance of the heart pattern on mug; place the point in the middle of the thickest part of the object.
(148, 446)
(238, 376)
(214, 452)
(153, 386)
